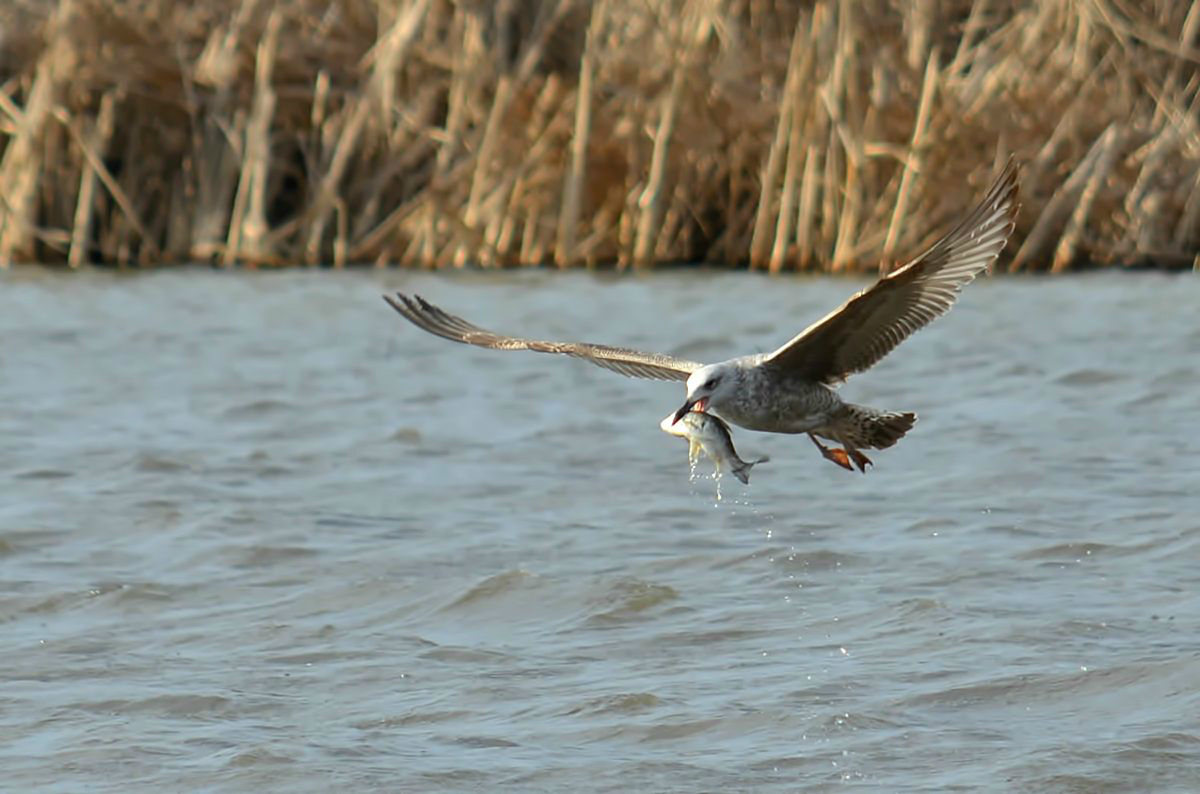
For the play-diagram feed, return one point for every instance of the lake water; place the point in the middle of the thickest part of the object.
(259, 533)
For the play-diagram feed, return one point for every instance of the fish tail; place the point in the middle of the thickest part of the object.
(741, 470)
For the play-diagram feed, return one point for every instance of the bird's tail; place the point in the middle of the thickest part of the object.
(858, 426)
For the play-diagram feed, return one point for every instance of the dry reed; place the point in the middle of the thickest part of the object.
(834, 135)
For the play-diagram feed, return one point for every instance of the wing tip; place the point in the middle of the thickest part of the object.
(407, 308)
(1007, 186)
(412, 303)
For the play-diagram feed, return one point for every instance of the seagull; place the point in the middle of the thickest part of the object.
(794, 389)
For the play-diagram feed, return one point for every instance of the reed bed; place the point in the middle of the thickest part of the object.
(835, 135)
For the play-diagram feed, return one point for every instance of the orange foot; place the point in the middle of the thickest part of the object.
(860, 460)
(838, 456)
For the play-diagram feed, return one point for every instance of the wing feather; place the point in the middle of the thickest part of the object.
(864, 329)
(634, 363)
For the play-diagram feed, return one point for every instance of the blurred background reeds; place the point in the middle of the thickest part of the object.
(836, 135)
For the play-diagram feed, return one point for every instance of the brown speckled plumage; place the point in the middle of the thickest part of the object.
(792, 390)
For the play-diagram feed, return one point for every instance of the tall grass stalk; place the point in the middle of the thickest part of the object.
(834, 135)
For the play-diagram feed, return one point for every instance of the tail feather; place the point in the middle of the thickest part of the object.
(858, 426)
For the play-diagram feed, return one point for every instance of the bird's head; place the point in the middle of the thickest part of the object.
(707, 385)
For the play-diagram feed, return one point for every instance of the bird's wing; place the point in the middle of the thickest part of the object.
(633, 363)
(867, 327)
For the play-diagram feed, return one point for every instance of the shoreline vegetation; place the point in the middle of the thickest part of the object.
(829, 136)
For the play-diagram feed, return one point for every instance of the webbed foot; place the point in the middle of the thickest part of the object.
(860, 460)
(838, 456)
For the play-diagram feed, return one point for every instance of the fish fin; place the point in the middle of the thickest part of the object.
(742, 471)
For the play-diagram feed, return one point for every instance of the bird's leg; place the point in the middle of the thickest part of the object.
(838, 456)
(860, 460)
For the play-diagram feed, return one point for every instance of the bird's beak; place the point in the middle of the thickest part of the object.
(682, 412)
(699, 405)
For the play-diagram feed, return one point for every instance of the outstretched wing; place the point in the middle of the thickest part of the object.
(867, 327)
(633, 363)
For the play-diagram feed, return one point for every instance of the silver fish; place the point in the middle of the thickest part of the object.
(710, 434)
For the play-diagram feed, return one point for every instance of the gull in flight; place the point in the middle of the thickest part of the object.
(793, 389)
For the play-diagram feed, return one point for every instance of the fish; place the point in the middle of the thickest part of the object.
(709, 433)
(792, 390)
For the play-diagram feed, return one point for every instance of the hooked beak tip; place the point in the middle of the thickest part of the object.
(682, 412)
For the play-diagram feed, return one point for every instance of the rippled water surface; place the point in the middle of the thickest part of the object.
(258, 533)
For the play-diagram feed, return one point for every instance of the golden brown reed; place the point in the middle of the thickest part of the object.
(833, 135)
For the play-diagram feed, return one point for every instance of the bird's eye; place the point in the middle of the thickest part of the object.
(712, 382)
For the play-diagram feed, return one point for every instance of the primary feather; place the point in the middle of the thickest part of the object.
(634, 363)
(868, 326)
